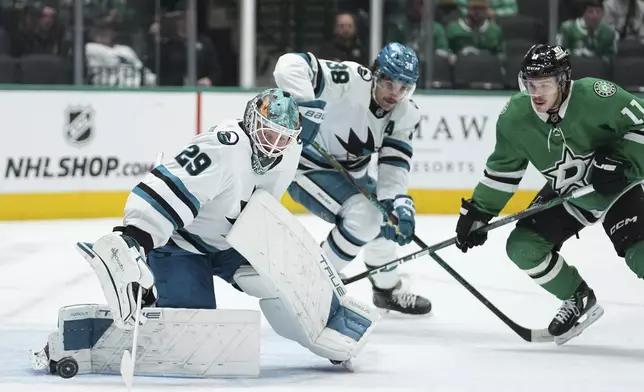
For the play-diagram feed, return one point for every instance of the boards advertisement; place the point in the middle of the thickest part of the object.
(84, 145)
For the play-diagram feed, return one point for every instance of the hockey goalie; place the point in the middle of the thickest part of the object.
(212, 210)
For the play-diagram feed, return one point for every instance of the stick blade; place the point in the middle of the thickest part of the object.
(127, 369)
(541, 336)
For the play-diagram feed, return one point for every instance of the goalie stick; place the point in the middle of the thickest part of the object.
(128, 361)
(529, 335)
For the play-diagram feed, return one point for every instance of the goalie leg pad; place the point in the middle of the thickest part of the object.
(174, 342)
(183, 279)
(305, 299)
(350, 319)
(251, 283)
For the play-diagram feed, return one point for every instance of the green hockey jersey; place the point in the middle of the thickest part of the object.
(575, 37)
(596, 113)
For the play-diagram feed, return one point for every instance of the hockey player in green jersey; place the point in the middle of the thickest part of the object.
(576, 133)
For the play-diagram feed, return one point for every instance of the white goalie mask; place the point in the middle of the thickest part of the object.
(272, 121)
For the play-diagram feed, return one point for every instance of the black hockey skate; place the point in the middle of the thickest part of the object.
(567, 322)
(401, 301)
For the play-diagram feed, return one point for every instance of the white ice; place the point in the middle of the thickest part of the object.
(461, 347)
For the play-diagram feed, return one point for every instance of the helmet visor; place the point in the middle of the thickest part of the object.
(271, 138)
(398, 89)
(538, 86)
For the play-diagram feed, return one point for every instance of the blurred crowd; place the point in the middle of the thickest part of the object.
(476, 44)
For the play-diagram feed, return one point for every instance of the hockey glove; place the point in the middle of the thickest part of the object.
(311, 116)
(120, 266)
(403, 208)
(607, 174)
(471, 218)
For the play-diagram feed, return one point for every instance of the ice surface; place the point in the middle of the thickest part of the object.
(461, 347)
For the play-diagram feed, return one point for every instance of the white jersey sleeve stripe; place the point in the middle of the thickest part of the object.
(398, 145)
(178, 188)
(394, 161)
(159, 204)
(318, 78)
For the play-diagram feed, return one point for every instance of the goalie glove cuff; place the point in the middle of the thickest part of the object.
(143, 238)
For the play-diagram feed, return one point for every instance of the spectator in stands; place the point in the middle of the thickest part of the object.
(475, 32)
(109, 64)
(627, 17)
(173, 60)
(408, 30)
(496, 7)
(39, 32)
(588, 36)
(346, 45)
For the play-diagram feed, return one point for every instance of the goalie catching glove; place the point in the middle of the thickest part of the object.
(120, 266)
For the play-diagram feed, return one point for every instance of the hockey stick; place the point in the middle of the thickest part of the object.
(128, 360)
(529, 335)
(495, 224)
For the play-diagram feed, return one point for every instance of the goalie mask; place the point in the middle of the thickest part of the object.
(272, 121)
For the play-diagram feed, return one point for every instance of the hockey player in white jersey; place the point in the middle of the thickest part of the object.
(176, 235)
(354, 112)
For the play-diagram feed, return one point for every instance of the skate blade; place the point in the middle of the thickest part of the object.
(591, 316)
(396, 314)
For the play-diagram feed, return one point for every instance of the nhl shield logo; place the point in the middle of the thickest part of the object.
(79, 124)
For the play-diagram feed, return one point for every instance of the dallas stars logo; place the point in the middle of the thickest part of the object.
(604, 89)
(570, 172)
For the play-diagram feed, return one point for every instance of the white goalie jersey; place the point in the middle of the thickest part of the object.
(194, 198)
(354, 126)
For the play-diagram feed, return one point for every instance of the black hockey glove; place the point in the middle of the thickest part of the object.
(607, 174)
(471, 218)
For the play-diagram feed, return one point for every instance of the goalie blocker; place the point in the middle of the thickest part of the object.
(301, 296)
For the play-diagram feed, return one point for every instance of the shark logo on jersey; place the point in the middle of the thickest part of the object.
(242, 205)
(356, 147)
(570, 172)
(79, 128)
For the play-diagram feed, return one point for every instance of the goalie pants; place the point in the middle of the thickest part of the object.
(535, 242)
(184, 279)
(328, 195)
